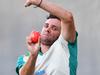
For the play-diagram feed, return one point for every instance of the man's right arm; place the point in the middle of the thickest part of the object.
(29, 67)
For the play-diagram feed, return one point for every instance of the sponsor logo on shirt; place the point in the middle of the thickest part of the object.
(41, 72)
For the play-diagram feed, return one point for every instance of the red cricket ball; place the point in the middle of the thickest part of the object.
(35, 36)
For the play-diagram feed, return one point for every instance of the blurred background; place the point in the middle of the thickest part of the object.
(16, 22)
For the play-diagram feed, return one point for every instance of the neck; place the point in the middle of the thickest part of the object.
(44, 48)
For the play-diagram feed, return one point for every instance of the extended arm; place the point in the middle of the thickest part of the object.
(67, 22)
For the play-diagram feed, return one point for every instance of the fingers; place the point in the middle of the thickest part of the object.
(28, 3)
(33, 48)
(28, 40)
(39, 44)
(29, 45)
(39, 41)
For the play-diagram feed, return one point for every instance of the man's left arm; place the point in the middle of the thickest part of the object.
(67, 22)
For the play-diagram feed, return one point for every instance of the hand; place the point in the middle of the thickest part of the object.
(31, 2)
(33, 48)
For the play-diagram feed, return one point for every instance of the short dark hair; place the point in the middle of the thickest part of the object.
(53, 16)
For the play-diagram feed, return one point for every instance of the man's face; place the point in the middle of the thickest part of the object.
(51, 31)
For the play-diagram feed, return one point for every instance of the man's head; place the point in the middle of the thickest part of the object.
(51, 30)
